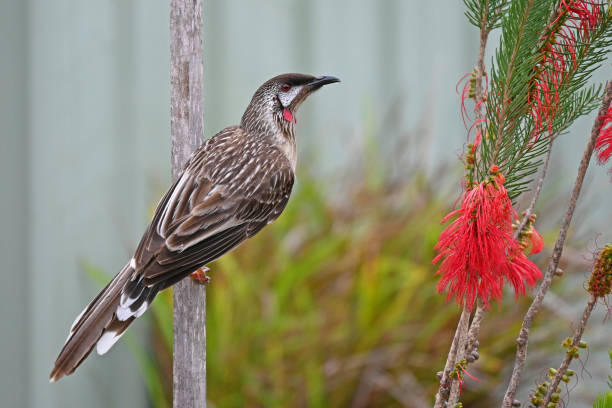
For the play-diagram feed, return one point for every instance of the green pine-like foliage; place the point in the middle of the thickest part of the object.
(490, 11)
(514, 138)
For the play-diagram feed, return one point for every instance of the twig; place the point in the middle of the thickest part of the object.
(464, 324)
(475, 327)
(521, 351)
(575, 343)
(480, 68)
(480, 73)
(451, 360)
(536, 194)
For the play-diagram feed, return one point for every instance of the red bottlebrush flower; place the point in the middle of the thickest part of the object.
(603, 145)
(576, 21)
(584, 15)
(478, 251)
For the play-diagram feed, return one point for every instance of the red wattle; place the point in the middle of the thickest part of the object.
(288, 115)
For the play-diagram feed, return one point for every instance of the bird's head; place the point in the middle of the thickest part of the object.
(278, 99)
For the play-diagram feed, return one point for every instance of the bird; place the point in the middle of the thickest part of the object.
(232, 186)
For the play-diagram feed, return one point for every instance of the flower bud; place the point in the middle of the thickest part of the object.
(600, 283)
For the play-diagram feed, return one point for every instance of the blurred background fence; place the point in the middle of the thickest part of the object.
(84, 113)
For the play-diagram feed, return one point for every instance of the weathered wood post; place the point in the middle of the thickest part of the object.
(186, 72)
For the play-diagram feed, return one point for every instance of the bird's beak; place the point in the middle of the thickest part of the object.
(308, 88)
(320, 81)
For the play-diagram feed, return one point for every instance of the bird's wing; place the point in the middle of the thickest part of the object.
(231, 188)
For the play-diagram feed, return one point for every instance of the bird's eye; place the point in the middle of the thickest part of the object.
(285, 87)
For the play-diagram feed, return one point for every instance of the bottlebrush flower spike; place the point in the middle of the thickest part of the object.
(600, 283)
(584, 14)
(477, 251)
(603, 145)
(575, 23)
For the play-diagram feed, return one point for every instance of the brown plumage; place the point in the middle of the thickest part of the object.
(236, 183)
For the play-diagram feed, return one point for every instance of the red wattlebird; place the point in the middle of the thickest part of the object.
(235, 184)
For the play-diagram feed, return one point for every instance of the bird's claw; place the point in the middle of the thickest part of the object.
(200, 276)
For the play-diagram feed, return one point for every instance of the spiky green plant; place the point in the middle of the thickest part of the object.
(539, 79)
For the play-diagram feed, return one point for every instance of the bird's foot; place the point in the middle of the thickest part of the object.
(200, 276)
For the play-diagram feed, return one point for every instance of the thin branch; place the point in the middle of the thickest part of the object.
(521, 352)
(475, 327)
(480, 73)
(480, 68)
(536, 194)
(451, 360)
(586, 314)
(464, 324)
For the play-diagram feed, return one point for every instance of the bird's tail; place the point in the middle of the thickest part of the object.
(97, 324)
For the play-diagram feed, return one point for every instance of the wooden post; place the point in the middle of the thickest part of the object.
(186, 72)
